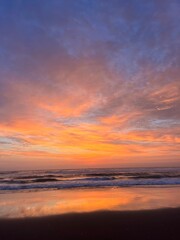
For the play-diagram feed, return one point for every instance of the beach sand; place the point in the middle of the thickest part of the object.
(147, 224)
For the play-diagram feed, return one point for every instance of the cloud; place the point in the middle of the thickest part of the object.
(90, 76)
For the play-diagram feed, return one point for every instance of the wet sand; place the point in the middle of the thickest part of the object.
(146, 224)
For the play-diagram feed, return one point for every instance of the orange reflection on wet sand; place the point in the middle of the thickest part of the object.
(28, 204)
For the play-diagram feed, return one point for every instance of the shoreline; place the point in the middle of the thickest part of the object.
(56, 202)
(139, 224)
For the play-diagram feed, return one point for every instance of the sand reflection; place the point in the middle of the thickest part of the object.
(27, 204)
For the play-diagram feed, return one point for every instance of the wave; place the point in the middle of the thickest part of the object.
(45, 180)
(90, 184)
(62, 179)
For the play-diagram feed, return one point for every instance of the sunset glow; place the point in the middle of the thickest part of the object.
(89, 84)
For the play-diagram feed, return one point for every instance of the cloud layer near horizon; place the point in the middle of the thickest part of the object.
(89, 83)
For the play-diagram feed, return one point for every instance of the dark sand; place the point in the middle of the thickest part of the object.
(151, 224)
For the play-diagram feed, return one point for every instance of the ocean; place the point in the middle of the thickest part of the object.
(87, 178)
(52, 192)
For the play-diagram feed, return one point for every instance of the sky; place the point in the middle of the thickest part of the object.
(89, 83)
